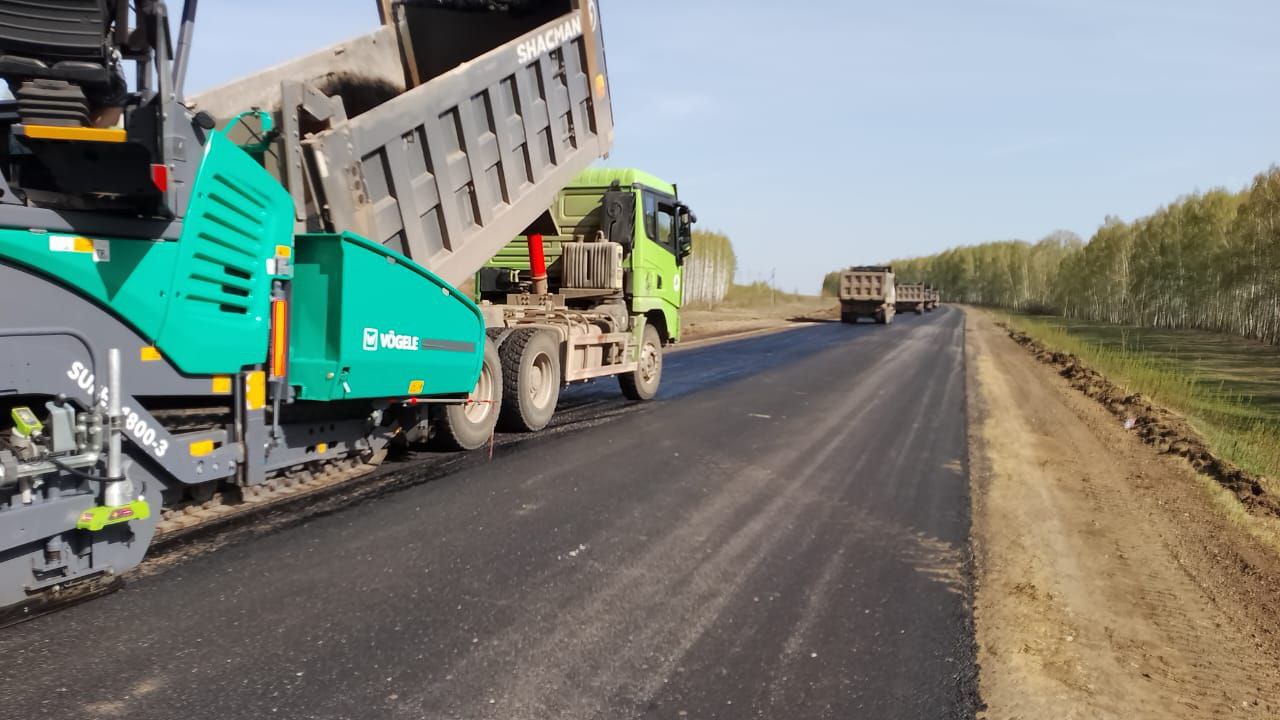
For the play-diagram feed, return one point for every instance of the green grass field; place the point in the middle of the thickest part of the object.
(1227, 387)
(760, 294)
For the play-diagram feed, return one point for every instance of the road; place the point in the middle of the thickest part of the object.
(783, 534)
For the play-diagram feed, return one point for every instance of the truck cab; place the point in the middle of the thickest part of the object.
(634, 209)
(662, 242)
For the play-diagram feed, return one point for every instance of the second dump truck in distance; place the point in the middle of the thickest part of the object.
(931, 298)
(867, 291)
(911, 297)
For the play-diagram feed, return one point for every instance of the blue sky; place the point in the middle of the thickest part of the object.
(824, 133)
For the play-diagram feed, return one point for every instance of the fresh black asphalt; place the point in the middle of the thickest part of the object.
(782, 534)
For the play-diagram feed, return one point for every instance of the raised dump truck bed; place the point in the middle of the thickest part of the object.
(867, 291)
(441, 135)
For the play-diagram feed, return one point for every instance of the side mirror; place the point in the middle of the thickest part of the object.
(684, 235)
(204, 120)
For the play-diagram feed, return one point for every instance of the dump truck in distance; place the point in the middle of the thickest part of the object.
(867, 291)
(931, 298)
(911, 297)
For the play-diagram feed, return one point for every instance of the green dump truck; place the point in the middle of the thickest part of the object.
(599, 295)
(209, 302)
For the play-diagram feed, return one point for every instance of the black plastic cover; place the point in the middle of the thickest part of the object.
(619, 222)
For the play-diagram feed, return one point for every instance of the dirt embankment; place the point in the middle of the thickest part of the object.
(1167, 431)
(702, 323)
(1112, 582)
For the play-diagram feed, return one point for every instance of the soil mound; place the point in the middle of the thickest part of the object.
(1158, 426)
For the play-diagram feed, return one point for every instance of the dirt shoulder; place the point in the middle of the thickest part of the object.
(703, 323)
(1112, 581)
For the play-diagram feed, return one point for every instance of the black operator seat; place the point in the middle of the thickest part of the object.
(59, 59)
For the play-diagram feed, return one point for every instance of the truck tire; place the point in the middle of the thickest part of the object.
(848, 318)
(643, 383)
(530, 380)
(469, 426)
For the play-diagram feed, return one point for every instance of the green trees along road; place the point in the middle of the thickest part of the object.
(1207, 261)
(708, 272)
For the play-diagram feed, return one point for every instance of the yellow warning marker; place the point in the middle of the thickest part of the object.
(415, 387)
(322, 448)
(52, 132)
(221, 385)
(201, 448)
(149, 354)
(255, 390)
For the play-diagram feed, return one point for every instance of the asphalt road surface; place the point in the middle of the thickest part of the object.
(783, 534)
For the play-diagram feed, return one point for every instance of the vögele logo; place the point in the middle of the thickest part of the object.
(374, 339)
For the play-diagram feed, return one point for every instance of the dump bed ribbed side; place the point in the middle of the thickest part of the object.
(449, 172)
(865, 284)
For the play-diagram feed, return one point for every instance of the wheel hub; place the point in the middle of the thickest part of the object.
(648, 363)
(480, 401)
(541, 381)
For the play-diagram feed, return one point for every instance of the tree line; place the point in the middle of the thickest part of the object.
(1208, 261)
(708, 272)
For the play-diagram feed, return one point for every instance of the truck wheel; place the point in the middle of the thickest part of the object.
(882, 318)
(530, 380)
(643, 383)
(469, 426)
(848, 318)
